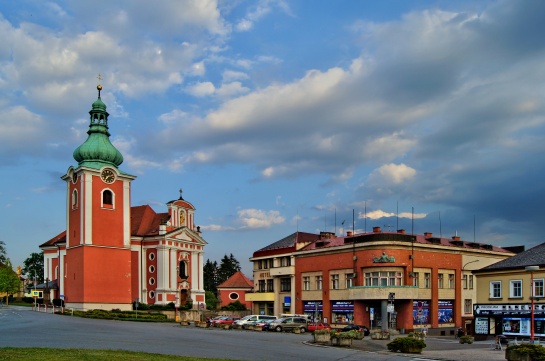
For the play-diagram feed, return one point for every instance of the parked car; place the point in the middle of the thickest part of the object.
(313, 326)
(264, 324)
(357, 328)
(212, 321)
(251, 318)
(226, 321)
(289, 324)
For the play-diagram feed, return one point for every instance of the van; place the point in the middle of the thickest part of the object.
(253, 318)
(289, 324)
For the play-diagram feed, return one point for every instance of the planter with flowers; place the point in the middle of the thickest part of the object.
(322, 336)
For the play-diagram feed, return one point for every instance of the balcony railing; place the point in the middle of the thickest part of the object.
(382, 292)
(282, 271)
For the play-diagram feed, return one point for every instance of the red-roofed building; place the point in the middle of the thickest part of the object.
(234, 289)
(112, 254)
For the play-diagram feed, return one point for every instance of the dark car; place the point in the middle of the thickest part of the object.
(357, 328)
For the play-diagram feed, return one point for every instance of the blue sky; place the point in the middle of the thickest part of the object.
(277, 116)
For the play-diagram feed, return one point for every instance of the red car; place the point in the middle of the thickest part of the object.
(313, 326)
(226, 321)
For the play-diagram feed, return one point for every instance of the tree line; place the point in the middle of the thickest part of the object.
(10, 282)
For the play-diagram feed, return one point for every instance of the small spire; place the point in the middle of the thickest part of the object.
(181, 198)
(99, 87)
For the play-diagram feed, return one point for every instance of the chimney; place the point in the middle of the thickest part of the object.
(349, 234)
(401, 231)
(455, 238)
(162, 229)
(428, 234)
(376, 229)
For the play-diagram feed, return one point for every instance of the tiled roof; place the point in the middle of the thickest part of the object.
(238, 280)
(396, 236)
(533, 257)
(290, 241)
(145, 222)
(59, 238)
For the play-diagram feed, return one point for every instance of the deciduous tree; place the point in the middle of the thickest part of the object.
(33, 266)
(9, 280)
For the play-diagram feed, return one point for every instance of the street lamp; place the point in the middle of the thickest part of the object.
(531, 269)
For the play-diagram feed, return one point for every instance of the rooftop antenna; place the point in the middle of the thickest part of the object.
(365, 217)
(335, 229)
(440, 227)
(397, 215)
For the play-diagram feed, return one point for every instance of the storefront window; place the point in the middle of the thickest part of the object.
(342, 311)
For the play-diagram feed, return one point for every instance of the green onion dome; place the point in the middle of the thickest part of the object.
(97, 150)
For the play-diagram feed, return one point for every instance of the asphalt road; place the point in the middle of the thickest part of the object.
(22, 327)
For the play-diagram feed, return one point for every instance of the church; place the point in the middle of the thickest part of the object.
(113, 254)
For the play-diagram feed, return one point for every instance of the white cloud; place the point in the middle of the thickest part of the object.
(201, 89)
(231, 75)
(392, 174)
(256, 218)
(231, 89)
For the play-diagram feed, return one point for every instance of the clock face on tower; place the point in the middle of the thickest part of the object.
(108, 176)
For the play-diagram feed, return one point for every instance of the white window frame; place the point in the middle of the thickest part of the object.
(319, 282)
(542, 287)
(515, 289)
(493, 285)
(306, 283)
(416, 282)
(335, 281)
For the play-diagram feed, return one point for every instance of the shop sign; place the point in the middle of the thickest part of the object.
(342, 306)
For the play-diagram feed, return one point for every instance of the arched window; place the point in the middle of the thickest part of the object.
(107, 199)
(75, 199)
(183, 274)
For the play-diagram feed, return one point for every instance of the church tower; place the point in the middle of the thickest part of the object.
(97, 266)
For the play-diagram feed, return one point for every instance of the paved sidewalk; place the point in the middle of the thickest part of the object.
(440, 348)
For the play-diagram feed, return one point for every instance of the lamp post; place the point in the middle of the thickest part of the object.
(531, 269)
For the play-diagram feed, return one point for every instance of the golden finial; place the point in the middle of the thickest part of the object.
(99, 87)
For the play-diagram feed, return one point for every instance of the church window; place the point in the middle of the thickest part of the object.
(151, 256)
(107, 199)
(152, 281)
(182, 271)
(75, 199)
(151, 294)
(151, 269)
(233, 296)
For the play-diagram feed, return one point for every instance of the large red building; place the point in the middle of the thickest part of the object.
(112, 254)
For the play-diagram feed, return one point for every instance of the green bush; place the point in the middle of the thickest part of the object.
(234, 306)
(404, 344)
(346, 334)
(323, 331)
(536, 352)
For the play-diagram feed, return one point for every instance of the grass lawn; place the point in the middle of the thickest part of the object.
(40, 354)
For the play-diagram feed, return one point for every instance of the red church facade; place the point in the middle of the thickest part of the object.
(112, 254)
